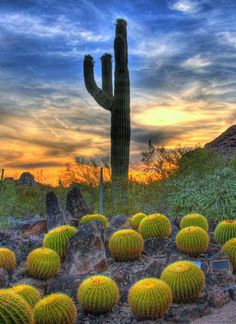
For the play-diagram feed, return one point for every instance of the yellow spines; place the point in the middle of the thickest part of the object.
(126, 245)
(58, 238)
(7, 259)
(229, 248)
(30, 294)
(98, 294)
(194, 220)
(93, 217)
(43, 263)
(155, 225)
(185, 279)
(14, 309)
(136, 219)
(55, 309)
(150, 299)
(192, 240)
(224, 231)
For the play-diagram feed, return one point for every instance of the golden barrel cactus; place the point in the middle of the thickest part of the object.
(192, 240)
(30, 294)
(89, 218)
(150, 299)
(229, 248)
(194, 220)
(98, 294)
(155, 225)
(224, 231)
(185, 279)
(126, 245)
(136, 219)
(7, 259)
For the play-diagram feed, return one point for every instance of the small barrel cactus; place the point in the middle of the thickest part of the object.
(224, 231)
(192, 240)
(43, 263)
(229, 248)
(58, 238)
(136, 219)
(98, 294)
(194, 220)
(126, 245)
(55, 309)
(185, 279)
(150, 299)
(7, 259)
(14, 309)
(30, 294)
(155, 225)
(93, 217)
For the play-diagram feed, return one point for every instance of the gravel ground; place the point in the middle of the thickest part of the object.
(224, 315)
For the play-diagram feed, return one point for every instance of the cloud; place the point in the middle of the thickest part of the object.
(196, 62)
(185, 6)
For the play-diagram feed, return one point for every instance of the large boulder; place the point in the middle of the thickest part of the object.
(28, 227)
(26, 179)
(86, 251)
(55, 214)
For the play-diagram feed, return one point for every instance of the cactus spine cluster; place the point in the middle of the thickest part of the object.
(194, 220)
(58, 238)
(93, 217)
(30, 294)
(14, 309)
(224, 231)
(229, 248)
(126, 245)
(150, 299)
(55, 309)
(136, 219)
(7, 259)
(155, 225)
(185, 279)
(118, 104)
(43, 263)
(192, 240)
(98, 294)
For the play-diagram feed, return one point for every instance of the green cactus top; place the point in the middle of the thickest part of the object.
(194, 220)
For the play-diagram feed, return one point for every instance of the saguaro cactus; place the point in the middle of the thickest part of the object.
(118, 104)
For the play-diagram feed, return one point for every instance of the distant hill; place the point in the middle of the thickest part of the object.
(225, 143)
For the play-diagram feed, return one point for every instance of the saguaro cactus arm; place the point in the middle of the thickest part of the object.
(107, 74)
(98, 94)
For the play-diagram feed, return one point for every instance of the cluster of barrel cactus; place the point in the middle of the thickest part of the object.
(194, 220)
(7, 259)
(224, 231)
(229, 248)
(94, 217)
(155, 225)
(30, 294)
(136, 219)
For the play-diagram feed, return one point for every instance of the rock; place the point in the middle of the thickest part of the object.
(4, 235)
(232, 291)
(117, 221)
(217, 297)
(34, 226)
(67, 284)
(86, 251)
(76, 205)
(26, 179)
(55, 214)
(4, 278)
(159, 246)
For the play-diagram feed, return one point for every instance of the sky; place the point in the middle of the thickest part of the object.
(182, 63)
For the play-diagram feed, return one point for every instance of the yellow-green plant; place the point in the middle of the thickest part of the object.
(55, 309)
(93, 217)
(30, 294)
(136, 219)
(7, 259)
(58, 238)
(185, 279)
(155, 225)
(229, 248)
(98, 294)
(43, 263)
(14, 309)
(192, 240)
(150, 299)
(194, 220)
(126, 245)
(224, 231)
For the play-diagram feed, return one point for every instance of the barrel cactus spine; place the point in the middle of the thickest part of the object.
(55, 309)
(224, 231)
(155, 225)
(150, 299)
(93, 217)
(43, 263)
(98, 294)
(30, 294)
(229, 248)
(58, 238)
(192, 240)
(7, 259)
(194, 220)
(14, 309)
(136, 219)
(185, 279)
(126, 245)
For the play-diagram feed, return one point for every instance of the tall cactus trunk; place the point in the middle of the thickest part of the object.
(118, 105)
